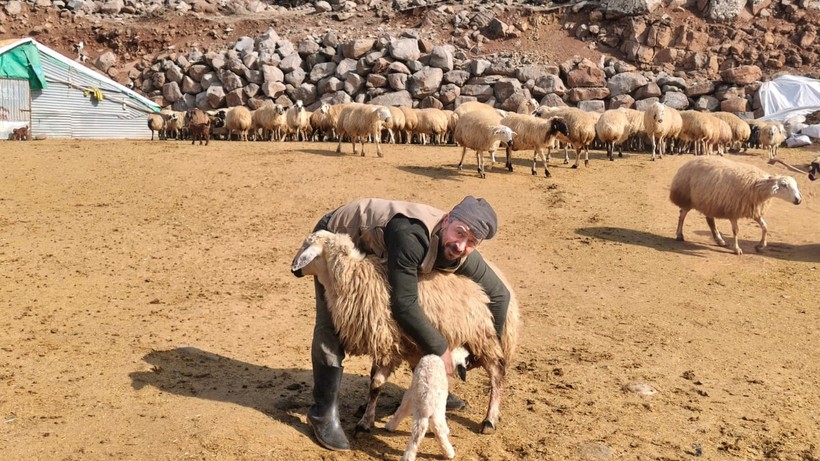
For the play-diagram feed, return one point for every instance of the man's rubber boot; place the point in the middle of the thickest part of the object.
(454, 403)
(323, 415)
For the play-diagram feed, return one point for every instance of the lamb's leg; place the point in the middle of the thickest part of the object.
(715, 233)
(463, 154)
(404, 410)
(764, 231)
(738, 251)
(419, 431)
(496, 374)
(439, 425)
(378, 378)
(681, 218)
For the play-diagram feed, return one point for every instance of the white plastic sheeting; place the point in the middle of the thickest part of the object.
(788, 96)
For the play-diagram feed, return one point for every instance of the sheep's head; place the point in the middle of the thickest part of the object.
(318, 249)
(814, 169)
(504, 134)
(325, 108)
(461, 361)
(785, 187)
(280, 109)
(559, 125)
(658, 112)
(300, 106)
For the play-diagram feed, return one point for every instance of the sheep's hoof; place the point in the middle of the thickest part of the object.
(586, 163)
(679, 238)
(509, 167)
(759, 248)
(653, 158)
(547, 173)
(380, 154)
(459, 167)
(360, 430)
(738, 251)
(487, 427)
(534, 173)
(575, 166)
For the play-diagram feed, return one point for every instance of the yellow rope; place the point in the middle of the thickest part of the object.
(95, 93)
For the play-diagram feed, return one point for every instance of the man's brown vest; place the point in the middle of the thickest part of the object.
(364, 220)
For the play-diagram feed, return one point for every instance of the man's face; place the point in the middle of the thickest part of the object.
(457, 241)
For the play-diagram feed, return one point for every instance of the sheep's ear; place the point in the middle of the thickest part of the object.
(305, 256)
(462, 372)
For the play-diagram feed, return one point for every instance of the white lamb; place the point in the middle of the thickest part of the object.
(722, 189)
(426, 399)
(358, 299)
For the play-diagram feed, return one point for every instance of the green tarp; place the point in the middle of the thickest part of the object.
(23, 62)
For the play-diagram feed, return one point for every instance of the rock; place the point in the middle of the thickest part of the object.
(430, 102)
(623, 100)
(272, 74)
(586, 94)
(14, 7)
(724, 10)
(106, 61)
(355, 49)
(619, 8)
(650, 90)
(322, 7)
(734, 105)
(448, 93)
(396, 98)
(321, 71)
(742, 75)
(643, 104)
(171, 92)
(291, 63)
(480, 92)
(700, 88)
(625, 83)
(376, 81)
(273, 89)
(236, 97)
(675, 100)
(345, 66)
(592, 106)
(215, 96)
(553, 100)
(534, 72)
(759, 5)
(594, 451)
(190, 86)
(425, 82)
(399, 68)
(477, 67)
(442, 58)
(586, 76)
(397, 81)
(505, 88)
(307, 46)
(296, 77)
(549, 84)
(514, 101)
(707, 103)
(497, 29)
(112, 7)
(405, 49)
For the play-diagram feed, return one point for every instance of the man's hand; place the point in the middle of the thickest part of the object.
(448, 362)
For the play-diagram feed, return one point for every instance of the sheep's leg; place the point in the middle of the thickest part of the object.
(545, 159)
(653, 147)
(566, 153)
(738, 251)
(402, 412)
(419, 431)
(353, 140)
(496, 374)
(577, 157)
(392, 138)
(463, 154)
(509, 158)
(610, 146)
(764, 231)
(439, 426)
(378, 147)
(681, 218)
(479, 157)
(339, 147)
(378, 378)
(715, 233)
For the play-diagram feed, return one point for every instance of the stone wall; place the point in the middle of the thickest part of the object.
(408, 71)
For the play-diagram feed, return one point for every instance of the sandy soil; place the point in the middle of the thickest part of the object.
(149, 312)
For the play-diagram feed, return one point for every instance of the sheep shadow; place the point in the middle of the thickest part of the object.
(324, 152)
(646, 239)
(282, 394)
(445, 172)
(777, 250)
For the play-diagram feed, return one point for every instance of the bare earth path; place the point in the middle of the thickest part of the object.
(148, 311)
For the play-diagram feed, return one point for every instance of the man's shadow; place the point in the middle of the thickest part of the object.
(283, 394)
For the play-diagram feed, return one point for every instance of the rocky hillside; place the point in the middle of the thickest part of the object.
(695, 41)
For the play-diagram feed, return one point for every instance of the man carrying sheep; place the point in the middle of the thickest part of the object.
(414, 239)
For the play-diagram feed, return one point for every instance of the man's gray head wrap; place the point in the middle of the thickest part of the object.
(478, 215)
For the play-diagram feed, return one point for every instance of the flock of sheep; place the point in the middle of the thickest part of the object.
(356, 285)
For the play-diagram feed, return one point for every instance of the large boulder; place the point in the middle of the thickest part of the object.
(396, 98)
(619, 8)
(405, 49)
(724, 10)
(425, 82)
(625, 83)
(741, 75)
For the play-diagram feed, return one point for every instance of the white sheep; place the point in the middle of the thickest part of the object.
(358, 299)
(580, 128)
(660, 123)
(433, 122)
(535, 133)
(360, 121)
(698, 129)
(395, 125)
(426, 400)
(240, 120)
(298, 121)
(740, 128)
(722, 189)
(410, 122)
(771, 137)
(156, 122)
(613, 129)
(482, 131)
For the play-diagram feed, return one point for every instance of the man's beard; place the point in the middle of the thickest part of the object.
(452, 249)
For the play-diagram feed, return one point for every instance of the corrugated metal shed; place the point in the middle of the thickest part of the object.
(70, 106)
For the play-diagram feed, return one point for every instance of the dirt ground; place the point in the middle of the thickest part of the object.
(149, 312)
